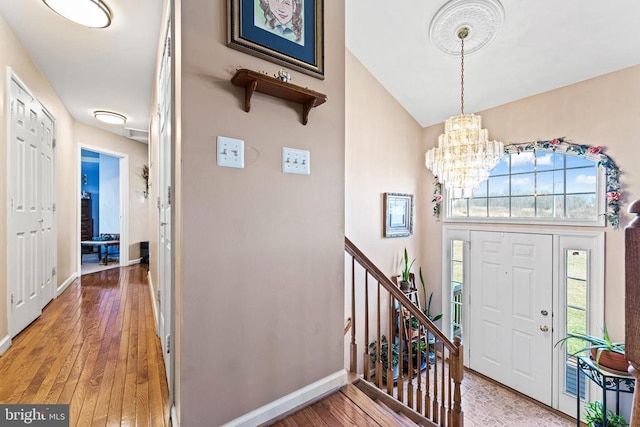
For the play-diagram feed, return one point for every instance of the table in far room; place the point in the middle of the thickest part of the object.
(100, 244)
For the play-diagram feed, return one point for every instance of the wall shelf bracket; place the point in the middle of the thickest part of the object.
(253, 81)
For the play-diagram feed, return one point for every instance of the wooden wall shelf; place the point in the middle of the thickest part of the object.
(253, 81)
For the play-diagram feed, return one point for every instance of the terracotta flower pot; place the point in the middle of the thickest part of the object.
(611, 360)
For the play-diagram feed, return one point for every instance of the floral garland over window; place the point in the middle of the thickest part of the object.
(614, 195)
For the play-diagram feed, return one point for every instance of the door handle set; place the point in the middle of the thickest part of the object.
(544, 328)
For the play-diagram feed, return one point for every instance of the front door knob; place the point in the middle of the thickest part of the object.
(544, 328)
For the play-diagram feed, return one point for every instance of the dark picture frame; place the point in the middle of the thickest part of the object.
(292, 36)
(398, 214)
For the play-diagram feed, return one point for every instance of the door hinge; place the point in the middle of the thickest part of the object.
(169, 195)
(55, 141)
(12, 203)
(158, 202)
(53, 207)
(168, 344)
(158, 297)
(169, 47)
(53, 271)
(13, 298)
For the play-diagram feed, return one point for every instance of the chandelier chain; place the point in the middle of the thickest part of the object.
(462, 76)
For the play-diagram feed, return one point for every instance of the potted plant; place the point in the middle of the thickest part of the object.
(602, 349)
(405, 283)
(595, 417)
(418, 346)
(427, 309)
(384, 357)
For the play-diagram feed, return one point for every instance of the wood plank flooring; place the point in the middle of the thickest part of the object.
(347, 407)
(94, 348)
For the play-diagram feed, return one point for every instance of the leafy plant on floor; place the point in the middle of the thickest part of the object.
(384, 356)
(595, 417)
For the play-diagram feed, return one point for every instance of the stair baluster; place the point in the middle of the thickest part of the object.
(437, 398)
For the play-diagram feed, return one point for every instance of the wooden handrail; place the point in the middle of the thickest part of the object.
(397, 294)
(347, 326)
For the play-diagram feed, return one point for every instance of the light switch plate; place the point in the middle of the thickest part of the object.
(296, 161)
(230, 152)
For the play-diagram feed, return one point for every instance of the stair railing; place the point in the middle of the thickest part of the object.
(632, 300)
(429, 368)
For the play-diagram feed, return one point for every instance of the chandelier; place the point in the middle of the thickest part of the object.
(464, 155)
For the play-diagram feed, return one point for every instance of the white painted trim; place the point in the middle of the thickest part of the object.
(124, 201)
(135, 261)
(5, 343)
(174, 417)
(60, 289)
(154, 302)
(291, 401)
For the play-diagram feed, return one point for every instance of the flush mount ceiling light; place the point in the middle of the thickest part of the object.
(90, 13)
(464, 155)
(110, 117)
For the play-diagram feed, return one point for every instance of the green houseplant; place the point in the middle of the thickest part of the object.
(384, 357)
(595, 417)
(427, 308)
(405, 283)
(602, 349)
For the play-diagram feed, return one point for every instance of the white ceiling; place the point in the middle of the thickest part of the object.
(94, 69)
(543, 45)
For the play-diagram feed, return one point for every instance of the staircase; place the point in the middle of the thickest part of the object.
(384, 409)
(405, 363)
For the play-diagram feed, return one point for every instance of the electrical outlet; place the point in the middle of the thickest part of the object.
(230, 152)
(296, 161)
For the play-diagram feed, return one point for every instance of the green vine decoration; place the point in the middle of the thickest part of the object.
(595, 153)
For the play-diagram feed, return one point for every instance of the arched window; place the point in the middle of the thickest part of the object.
(551, 182)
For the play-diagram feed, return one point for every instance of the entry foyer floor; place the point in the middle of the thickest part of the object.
(95, 348)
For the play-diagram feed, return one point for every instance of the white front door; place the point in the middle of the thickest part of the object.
(31, 240)
(510, 320)
(165, 268)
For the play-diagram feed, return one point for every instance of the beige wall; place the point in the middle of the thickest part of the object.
(14, 55)
(261, 281)
(138, 156)
(382, 155)
(601, 111)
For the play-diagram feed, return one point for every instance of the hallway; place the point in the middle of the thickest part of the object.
(95, 348)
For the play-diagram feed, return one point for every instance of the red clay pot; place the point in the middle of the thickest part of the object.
(611, 360)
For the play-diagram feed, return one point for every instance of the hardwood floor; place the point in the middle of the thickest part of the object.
(95, 348)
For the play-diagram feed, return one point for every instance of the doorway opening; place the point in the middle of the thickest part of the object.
(103, 184)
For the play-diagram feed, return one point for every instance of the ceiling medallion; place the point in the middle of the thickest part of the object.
(483, 18)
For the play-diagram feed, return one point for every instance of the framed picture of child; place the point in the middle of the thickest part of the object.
(287, 32)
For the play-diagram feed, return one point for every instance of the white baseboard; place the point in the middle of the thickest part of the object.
(174, 417)
(5, 343)
(291, 401)
(65, 284)
(134, 261)
(154, 301)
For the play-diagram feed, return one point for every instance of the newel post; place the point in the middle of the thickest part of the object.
(632, 302)
(457, 372)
